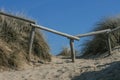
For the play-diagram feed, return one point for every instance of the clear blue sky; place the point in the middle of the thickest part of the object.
(70, 16)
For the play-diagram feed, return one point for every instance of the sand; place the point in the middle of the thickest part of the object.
(64, 69)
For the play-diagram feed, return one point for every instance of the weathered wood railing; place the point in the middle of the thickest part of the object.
(99, 32)
(108, 31)
(32, 23)
(70, 37)
(93, 33)
(17, 17)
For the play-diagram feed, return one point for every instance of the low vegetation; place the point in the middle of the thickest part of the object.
(97, 44)
(14, 40)
(65, 52)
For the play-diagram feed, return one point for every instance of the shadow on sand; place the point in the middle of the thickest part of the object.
(112, 72)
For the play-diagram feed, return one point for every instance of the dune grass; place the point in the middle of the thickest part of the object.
(65, 52)
(14, 40)
(97, 44)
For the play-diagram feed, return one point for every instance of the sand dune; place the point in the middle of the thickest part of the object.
(64, 69)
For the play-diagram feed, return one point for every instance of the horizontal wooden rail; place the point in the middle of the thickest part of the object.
(93, 33)
(115, 29)
(27, 20)
(71, 37)
(56, 32)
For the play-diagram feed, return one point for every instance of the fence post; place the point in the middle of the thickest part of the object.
(109, 44)
(72, 50)
(32, 33)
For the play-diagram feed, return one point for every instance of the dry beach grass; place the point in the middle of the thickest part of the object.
(14, 40)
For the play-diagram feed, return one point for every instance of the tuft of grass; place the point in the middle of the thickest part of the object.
(14, 41)
(65, 52)
(98, 43)
(40, 47)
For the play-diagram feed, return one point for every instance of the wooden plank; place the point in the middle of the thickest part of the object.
(55, 31)
(31, 41)
(93, 33)
(109, 44)
(115, 29)
(13, 16)
(72, 50)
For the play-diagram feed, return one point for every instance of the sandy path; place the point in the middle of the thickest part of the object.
(58, 69)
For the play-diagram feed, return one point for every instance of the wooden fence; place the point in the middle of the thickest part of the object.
(99, 32)
(33, 25)
(70, 37)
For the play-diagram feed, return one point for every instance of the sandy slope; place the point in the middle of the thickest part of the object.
(63, 69)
